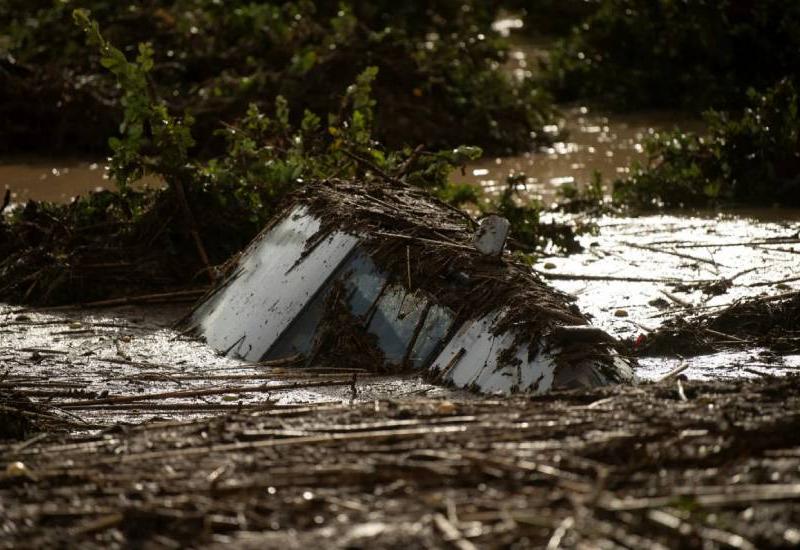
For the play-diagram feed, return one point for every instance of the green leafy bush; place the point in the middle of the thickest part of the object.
(551, 17)
(130, 241)
(677, 54)
(749, 159)
(440, 80)
(529, 234)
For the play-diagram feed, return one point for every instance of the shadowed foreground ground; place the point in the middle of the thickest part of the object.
(661, 465)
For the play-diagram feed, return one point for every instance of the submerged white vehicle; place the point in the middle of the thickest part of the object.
(388, 277)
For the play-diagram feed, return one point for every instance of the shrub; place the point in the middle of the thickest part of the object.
(677, 54)
(749, 159)
(124, 241)
(440, 79)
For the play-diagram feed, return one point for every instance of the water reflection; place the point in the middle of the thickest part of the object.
(638, 272)
(606, 144)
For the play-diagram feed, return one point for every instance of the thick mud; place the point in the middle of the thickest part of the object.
(672, 465)
(127, 365)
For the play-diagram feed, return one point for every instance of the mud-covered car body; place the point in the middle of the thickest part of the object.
(389, 278)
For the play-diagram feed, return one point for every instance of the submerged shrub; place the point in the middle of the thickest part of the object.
(663, 53)
(440, 79)
(749, 159)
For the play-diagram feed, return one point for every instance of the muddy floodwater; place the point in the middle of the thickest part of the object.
(637, 273)
(56, 181)
(99, 363)
(584, 143)
(634, 274)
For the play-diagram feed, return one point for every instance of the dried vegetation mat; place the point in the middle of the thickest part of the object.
(691, 465)
(21, 417)
(764, 321)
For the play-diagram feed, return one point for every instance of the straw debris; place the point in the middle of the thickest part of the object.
(632, 466)
(764, 321)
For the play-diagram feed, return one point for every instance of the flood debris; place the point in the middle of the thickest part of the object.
(15, 421)
(763, 321)
(21, 417)
(390, 278)
(640, 466)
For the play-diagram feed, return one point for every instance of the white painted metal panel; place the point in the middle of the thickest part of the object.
(470, 358)
(362, 281)
(272, 285)
(394, 321)
(395, 316)
(273, 303)
(491, 235)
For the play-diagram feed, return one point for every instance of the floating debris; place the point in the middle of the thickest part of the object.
(771, 322)
(388, 278)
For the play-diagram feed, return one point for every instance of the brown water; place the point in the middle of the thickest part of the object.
(51, 181)
(656, 256)
(56, 181)
(595, 143)
(585, 142)
(670, 248)
(133, 350)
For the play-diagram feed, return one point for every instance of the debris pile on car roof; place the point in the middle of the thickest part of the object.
(425, 289)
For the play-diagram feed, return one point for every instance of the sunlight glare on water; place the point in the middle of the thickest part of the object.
(608, 145)
(638, 272)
